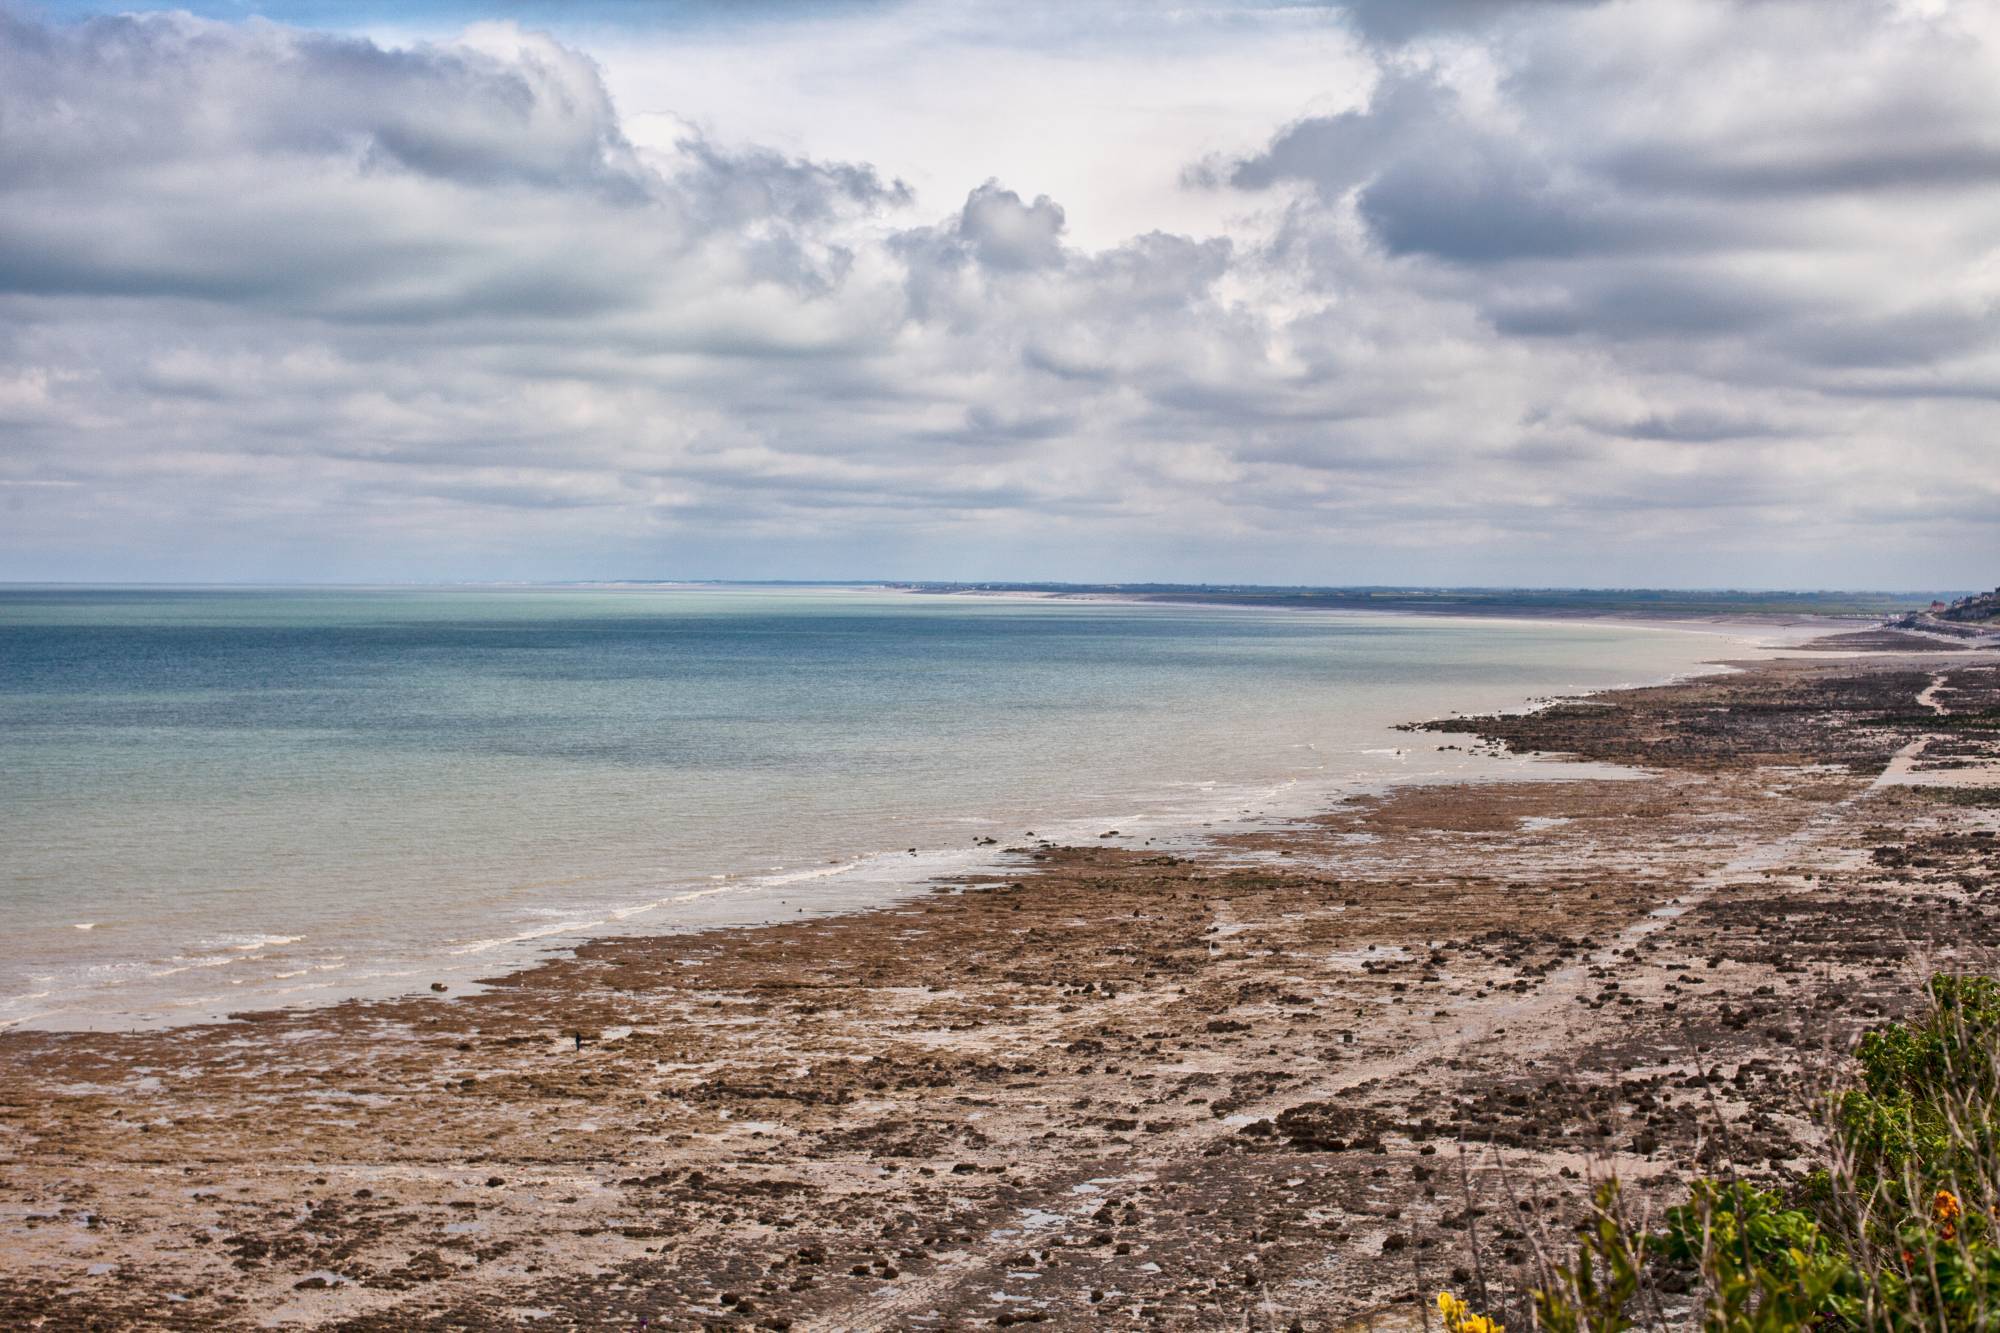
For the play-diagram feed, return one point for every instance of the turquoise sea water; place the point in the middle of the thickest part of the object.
(224, 799)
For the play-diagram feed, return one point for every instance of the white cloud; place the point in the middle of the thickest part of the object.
(1537, 292)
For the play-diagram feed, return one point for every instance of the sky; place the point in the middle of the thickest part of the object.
(1685, 293)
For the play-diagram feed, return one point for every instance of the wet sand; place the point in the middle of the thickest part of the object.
(1241, 1088)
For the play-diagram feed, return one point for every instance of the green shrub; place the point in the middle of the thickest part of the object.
(1764, 1266)
(1896, 1233)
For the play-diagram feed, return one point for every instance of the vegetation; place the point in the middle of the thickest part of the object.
(1897, 1231)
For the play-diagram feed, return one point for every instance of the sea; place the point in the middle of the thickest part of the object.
(216, 800)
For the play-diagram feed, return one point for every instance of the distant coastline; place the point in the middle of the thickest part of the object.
(1737, 605)
(1648, 603)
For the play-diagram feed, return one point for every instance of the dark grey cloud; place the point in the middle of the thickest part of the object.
(1693, 425)
(164, 157)
(1482, 208)
(740, 188)
(124, 93)
(1434, 176)
(1628, 302)
(1634, 174)
(1789, 171)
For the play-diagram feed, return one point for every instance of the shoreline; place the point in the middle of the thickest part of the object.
(754, 898)
(1199, 1090)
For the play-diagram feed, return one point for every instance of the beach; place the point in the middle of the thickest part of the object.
(1301, 1077)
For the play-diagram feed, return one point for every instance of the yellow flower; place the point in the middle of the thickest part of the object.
(1458, 1317)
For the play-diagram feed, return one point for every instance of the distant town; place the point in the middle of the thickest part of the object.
(1977, 616)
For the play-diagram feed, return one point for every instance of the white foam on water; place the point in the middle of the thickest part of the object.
(807, 876)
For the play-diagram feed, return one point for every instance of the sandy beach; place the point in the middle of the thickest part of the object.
(1246, 1087)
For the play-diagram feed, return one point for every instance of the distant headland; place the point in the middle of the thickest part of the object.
(1665, 602)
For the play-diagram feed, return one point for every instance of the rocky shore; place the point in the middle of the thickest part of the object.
(1299, 1079)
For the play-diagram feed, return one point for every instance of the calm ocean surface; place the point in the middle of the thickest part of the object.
(215, 800)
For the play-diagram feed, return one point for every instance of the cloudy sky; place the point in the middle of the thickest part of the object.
(1660, 292)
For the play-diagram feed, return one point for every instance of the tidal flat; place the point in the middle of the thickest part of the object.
(1300, 1077)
